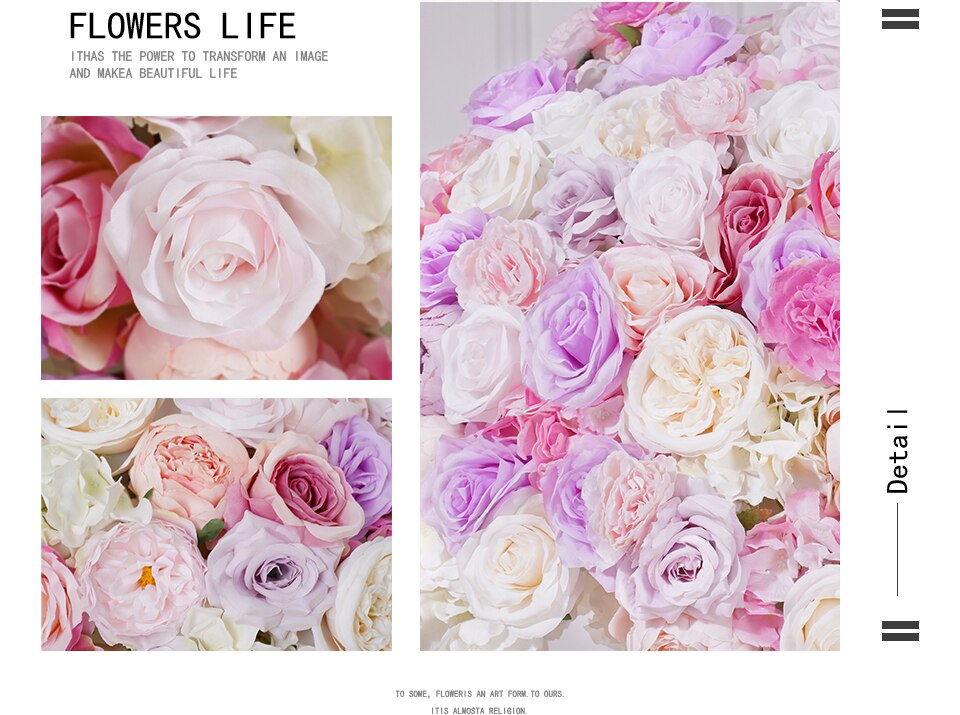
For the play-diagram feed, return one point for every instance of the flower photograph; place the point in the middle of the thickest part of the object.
(216, 524)
(630, 328)
(216, 248)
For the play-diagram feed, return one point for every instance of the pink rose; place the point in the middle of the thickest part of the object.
(362, 358)
(634, 14)
(508, 265)
(817, 534)
(95, 346)
(824, 193)
(802, 318)
(711, 103)
(61, 606)
(573, 38)
(621, 496)
(80, 158)
(187, 466)
(141, 580)
(544, 435)
(453, 160)
(753, 202)
(153, 355)
(221, 240)
(292, 482)
(652, 284)
(767, 556)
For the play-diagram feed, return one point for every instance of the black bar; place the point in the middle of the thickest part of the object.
(900, 25)
(901, 625)
(902, 13)
(900, 637)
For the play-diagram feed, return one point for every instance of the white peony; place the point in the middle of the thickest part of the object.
(362, 615)
(104, 426)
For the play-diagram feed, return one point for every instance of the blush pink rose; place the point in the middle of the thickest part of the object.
(362, 358)
(573, 38)
(187, 466)
(824, 193)
(453, 160)
(802, 318)
(817, 533)
(508, 265)
(61, 606)
(221, 240)
(543, 435)
(714, 102)
(634, 14)
(291, 481)
(754, 201)
(153, 355)
(80, 159)
(652, 284)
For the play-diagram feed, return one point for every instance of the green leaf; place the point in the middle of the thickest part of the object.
(210, 531)
(148, 494)
(749, 518)
(568, 617)
(630, 34)
(583, 58)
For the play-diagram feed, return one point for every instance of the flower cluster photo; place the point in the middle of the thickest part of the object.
(216, 524)
(216, 247)
(630, 340)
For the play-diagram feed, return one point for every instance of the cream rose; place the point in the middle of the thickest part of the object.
(208, 628)
(362, 616)
(504, 178)
(628, 124)
(480, 357)
(695, 382)
(560, 126)
(671, 197)
(651, 284)
(811, 611)
(796, 125)
(104, 426)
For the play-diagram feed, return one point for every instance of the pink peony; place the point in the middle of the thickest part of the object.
(61, 606)
(767, 556)
(712, 103)
(80, 158)
(187, 466)
(141, 580)
(824, 193)
(802, 318)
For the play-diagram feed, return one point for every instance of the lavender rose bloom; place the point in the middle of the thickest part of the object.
(507, 100)
(562, 488)
(433, 324)
(689, 563)
(577, 202)
(677, 46)
(262, 575)
(440, 241)
(364, 456)
(471, 479)
(799, 238)
(573, 353)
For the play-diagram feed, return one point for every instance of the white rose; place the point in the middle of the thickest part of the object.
(432, 428)
(441, 597)
(480, 354)
(107, 426)
(504, 178)
(80, 495)
(252, 420)
(813, 29)
(207, 628)
(795, 125)
(811, 611)
(362, 615)
(628, 124)
(316, 416)
(560, 125)
(695, 382)
(671, 197)
(477, 634)
(686, 633)
(512, 576)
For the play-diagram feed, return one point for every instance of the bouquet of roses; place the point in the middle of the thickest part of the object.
(205, 524)
(630, 340)
(216, 247)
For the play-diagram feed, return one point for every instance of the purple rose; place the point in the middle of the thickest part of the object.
(678, 46)
(364, 456)
(689, 563)
(573, 353)
(433, 324)
(507, 100)
(440, 241)
(562, 488)
(471, 479)
(799, 238)
(263, 575)
(577, 203)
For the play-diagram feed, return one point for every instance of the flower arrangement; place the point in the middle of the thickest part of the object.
(216, 524)
(216, 247)
(630, 341)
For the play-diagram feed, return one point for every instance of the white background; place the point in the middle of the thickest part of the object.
(899, 349)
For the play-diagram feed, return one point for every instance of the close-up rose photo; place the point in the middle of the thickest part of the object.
(216, 524)
(216, 248)
(630, 331)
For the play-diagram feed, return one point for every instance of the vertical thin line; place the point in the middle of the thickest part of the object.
(897, 550)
